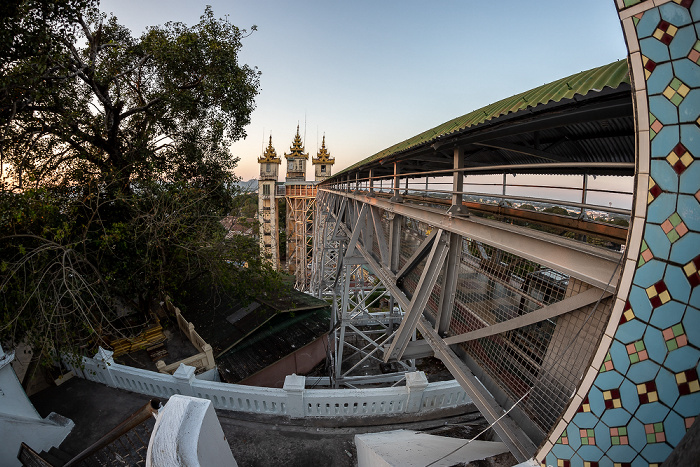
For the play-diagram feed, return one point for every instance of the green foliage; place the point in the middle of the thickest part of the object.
(119, 168)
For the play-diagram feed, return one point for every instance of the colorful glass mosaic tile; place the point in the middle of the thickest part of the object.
(622, 464)
(647, 392)
(665, 32)
(688, 422)
(563, 463)
(618, 435)
(684, 3)
(675, 337)
(612, 397)
(680, 158)
(674, 227)
(563, 439)
(637, 352)
(687, 382)
(658, 294)
(694, 54)
(648, 65)
(587, 436)
(692, 271)
(655, 126)
(645, 254)
(655, 432)
(585, 406)
(676, 91)
(654, 191)
(607, 364)
(627, 313)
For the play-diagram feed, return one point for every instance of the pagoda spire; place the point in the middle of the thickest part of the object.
(270, 155)
(323, 156)
(296, 150)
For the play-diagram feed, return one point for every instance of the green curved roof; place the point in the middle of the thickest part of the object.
(595, 79)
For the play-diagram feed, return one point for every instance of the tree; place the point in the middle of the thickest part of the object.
(119, 166)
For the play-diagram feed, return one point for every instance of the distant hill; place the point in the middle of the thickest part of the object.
(248, 186)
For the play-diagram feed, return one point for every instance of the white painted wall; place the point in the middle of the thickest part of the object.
(19, 420)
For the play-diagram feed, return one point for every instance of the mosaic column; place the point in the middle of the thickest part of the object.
(641, 393)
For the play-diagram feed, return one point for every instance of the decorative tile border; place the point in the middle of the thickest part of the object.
(644, 393)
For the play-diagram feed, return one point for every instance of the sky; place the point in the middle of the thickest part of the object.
(371, 73)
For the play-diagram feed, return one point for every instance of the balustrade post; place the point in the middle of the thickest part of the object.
(294, 386)
(210, 356)
(416, 382)
(106, 357)
(395, 187)
(184, 376)
(190, 332)
(371, 183)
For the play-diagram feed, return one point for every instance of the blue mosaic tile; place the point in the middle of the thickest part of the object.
(691, 324)
(640, 303)
(682, 43)
(677, 284)
(656, 452)
(666, 387)
(655, 344)
(590, 453)
(666, 139)
(630, 331)
(686, 70)
(685, 248)
(690, 179)
(586, 419)
(674, 427)
(653, 270)
(659, 79)
(687, 406)
(628, 393)
(642, 371)
(689, 210)
(675, 14)
(667, 315)
(602, 436)
(682, 359)
(651, 413)
(660, 246)
(551, 459)
(621, 453)
(639, 461)
(576, 461)
(665, 204)
(647, 24)
(655, 50)
(574, 440)
(689, 109)
(621, 361)
(635, 431)
(695, 11)
(695, 298)
(616, 417)
(690, 137)
(563, 451)
(605, 461)
(595, 398)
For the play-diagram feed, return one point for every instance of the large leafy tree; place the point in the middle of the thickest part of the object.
(117, 169)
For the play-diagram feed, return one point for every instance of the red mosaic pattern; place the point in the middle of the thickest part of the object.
(647, 392)
(687, 382)
(692, 271)
(680, 158)
(658, 294)
(665, 32)
(627, 313)
(612, 398)
(585, 406)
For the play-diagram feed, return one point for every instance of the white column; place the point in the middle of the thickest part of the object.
(416, 382)
(294, 386)
(184, 376)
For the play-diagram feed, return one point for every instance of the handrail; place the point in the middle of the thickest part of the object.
(134, 420)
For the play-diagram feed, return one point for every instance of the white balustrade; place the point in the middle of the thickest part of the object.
(293, 400)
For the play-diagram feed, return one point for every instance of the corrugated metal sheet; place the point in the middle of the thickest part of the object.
(596, 79)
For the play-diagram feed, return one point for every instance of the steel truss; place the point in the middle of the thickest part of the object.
(359, 330)
(358, 252)
(301, 200)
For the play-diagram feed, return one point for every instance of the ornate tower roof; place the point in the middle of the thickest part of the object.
(296, 149)
(270, 155)
(323, 156)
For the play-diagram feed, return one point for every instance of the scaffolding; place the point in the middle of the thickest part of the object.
(301, 199)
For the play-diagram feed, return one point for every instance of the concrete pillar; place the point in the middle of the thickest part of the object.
(294, 386)
(416, 382)
(184, 375)
(210, 356)
(105, 356)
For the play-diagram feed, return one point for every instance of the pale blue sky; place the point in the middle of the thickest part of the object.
(369, 74)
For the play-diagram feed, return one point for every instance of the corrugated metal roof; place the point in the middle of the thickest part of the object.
(596, 79)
